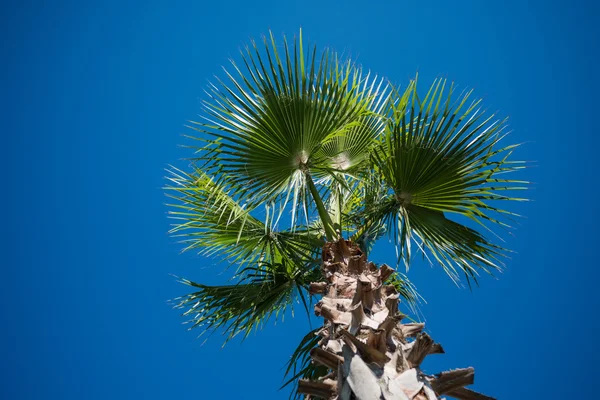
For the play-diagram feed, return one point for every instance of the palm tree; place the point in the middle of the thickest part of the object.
(348, 159)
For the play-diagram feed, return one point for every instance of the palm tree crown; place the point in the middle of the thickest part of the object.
(345, 154)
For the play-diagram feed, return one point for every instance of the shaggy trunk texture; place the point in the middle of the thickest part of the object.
(370, 353)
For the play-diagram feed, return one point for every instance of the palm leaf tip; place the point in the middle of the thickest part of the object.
(300, 366)
(406, 289)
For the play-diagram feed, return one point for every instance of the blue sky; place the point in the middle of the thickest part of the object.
(95, 96)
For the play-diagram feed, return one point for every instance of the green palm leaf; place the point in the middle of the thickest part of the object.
(209, 219)
(274, 266)
(238, 309)
(443, 156)
(287, 112)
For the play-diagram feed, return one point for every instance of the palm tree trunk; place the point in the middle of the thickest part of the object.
(371, 355)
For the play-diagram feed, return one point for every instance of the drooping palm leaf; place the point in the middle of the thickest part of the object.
(439, 156)
(274, 266)
(240, 308)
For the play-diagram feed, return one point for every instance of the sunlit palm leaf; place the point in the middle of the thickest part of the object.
(284, 112)
(347, 152)
(209, 219)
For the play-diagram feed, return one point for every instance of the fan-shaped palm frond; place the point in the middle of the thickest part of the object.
(438, 156)
(288, 112)
(346, 154)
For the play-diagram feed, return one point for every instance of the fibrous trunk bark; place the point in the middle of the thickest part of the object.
(370, 353)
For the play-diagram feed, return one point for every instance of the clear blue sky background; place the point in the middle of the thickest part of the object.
(94, 98)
